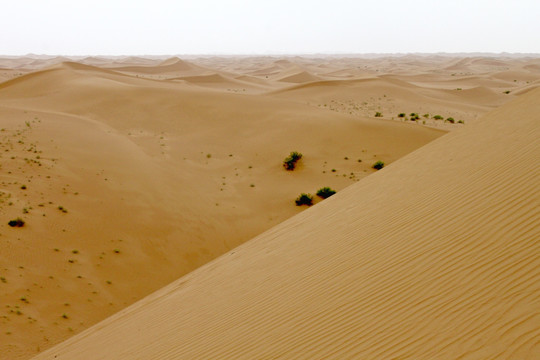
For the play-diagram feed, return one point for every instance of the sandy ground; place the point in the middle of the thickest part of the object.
(434, 257)
(132, 172)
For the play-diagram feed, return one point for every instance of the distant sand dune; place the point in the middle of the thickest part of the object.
(300, 77)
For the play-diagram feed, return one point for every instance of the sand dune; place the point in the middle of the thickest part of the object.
(129, 180)
(300, 77)
(434, 257)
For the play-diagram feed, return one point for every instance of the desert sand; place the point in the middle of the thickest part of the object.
(131, 173)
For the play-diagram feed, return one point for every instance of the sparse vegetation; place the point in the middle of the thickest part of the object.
(414, 116)
(304, 199)
(18, 222)
(378, 165)
(325, 192)
(450, 120)
(401, 115)
(506, 92)
(378, 114)
(62, 209)
(461, 122)
(290, 161)
(438, 117)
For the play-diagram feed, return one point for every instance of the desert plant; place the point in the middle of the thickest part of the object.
(304, 199)
(401, 115)
(18, 222)
(325, 192)
(450, 120)
(378, 165)
(438, 117)
(378, 114)
(414, 116)
(290, 161)
(426, 116)
(461, 122)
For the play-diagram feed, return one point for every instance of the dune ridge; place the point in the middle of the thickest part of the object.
(435, 256)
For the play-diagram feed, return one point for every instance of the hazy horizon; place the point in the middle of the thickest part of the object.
(239, 27)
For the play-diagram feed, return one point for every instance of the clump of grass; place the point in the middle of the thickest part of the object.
(290, 161)
(378, 114)
(461, 122)
(23, 187)
(450, 120)
(65, 316)
(401, 115)
(378, 165)
(438, 117)
(116, 251)
(426, 116)
(62, 209)
(414, 116)
(325, 192)
(304, 199)
(18, 222)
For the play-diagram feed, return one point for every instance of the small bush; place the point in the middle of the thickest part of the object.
(290, 161)
(378, 114)
(426, 116)
(414, 116)
(507, 92)
(18, 222)
(401, 115)
(378, 165)
(438, 117)
(461, 122)
(304, 199)
(450, 120)
(325, 192)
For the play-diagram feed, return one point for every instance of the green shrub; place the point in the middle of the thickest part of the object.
(304, 199)
(450, 120)
(414, 116)
(426, 116)
(401, 115)
(325, 192)
(461, 122)
(290, 161)
(378, 165)
(438, 117)
(378, 114)
(18, 222)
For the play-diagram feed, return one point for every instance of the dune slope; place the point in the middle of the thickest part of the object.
(435, 256)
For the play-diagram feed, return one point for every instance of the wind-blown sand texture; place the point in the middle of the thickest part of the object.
(434, 257)
(132, 172)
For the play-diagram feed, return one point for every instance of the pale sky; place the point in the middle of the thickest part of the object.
(137, 27)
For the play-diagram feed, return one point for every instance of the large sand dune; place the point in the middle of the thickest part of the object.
(435, 257)
(129, 180)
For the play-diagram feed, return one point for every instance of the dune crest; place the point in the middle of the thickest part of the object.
(434, 257)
